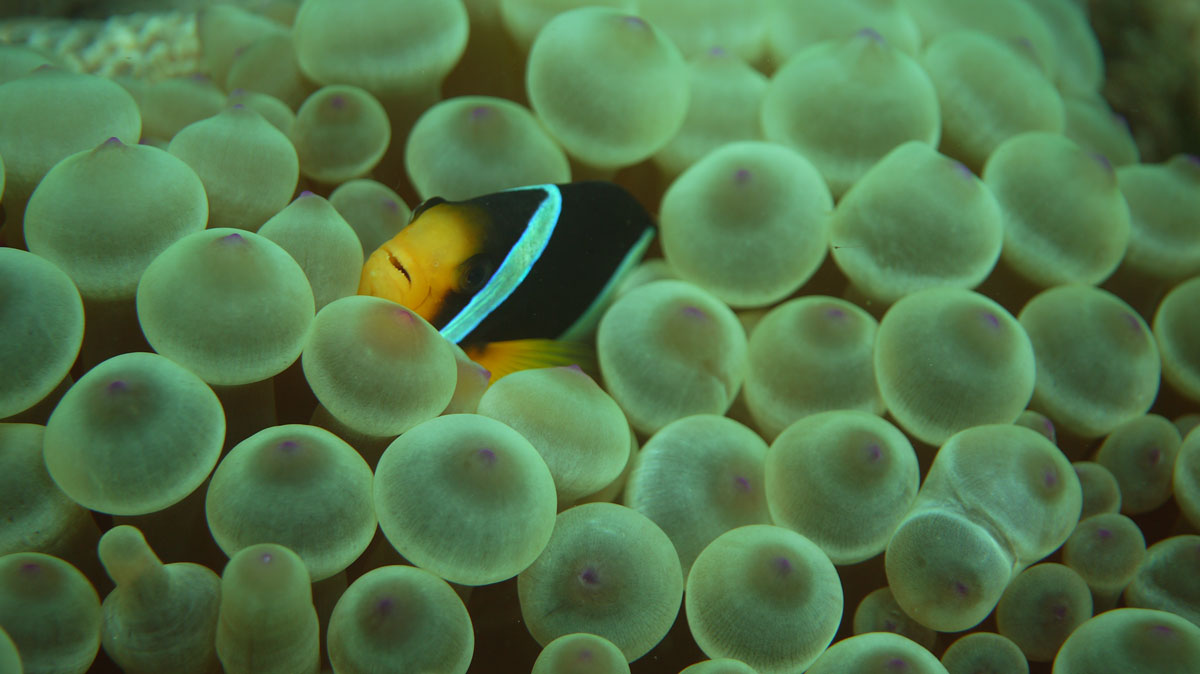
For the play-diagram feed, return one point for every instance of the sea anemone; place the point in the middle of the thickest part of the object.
(914, 338)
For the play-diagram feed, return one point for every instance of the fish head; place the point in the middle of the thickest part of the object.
(435, 264)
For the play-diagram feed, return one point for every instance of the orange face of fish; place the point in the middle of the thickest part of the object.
(424, 264)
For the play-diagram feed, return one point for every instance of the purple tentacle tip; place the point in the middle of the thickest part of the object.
(694, 312)
(485, 373)
(266, 558)
(233, 238)
(1192, 158)
(288, 446)
(962, 169)
(635, 21)
(31, 567)
(239, 106)
(1102, 161)
(487, 455)
(992, 320)
(897, 664)
(1163, 629)
(782, 565)
(1050, 478)
(1104, 534)
(479, 112)
(835, 313)
(337, 102)
(874, 453)
(589, 576)
(741, 483)
(717, 51)
(117, 386)
(113, 140)
(741, 176)
(384, 606)
(961, 589)
(871, 34)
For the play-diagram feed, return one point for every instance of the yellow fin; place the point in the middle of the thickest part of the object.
(502, 358)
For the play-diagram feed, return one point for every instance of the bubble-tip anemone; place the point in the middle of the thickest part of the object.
(946, 571)
(386, 48)
(267, 623)
(748, 222)
(50, 611)
(580, 653)
(1106, 550)
(1131, 640)
(161, 617)
(465, 497)
(947, 359)
(808, 355)
(984, 652)
(1186, 479)
(1012, 480)
(846, 103)
(612, 111)
(134, 435)
(230, 305)
(607, 570)
(41, 328)
(1166, 579)
(764, 595)
(916, 219)
(879, 612)
(299, 486)
(376, 366)
(1097, 362)
(463, 147)
(668, 349)
(877, 651)
(1140, 454)
(102, 215)
(249, 168)
(575, 426)
(844, 479)
(1041, 607)
(697, 478)
(340, 133)
(397, 619)
(50, 114)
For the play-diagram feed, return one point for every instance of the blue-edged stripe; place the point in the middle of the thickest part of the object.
(515, 267)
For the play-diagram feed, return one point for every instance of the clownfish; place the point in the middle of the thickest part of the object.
(517, 278)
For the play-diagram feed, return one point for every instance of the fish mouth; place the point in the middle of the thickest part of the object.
(396, 263)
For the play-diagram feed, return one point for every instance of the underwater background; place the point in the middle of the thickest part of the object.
(907, 380)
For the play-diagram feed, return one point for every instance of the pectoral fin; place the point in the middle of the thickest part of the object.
(502, 358)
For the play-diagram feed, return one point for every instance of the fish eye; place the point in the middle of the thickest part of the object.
(475, 274)
(424, 206)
